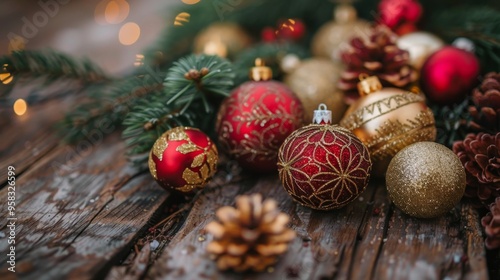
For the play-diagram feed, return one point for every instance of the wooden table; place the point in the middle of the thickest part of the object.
(84, 213)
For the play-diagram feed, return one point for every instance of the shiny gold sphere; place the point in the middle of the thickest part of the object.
(222, 39)
(314, 81)
(388, 120)
(425, 180)
(331, 37)
(420, 45)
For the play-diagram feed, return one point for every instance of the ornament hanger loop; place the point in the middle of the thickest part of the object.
(322, 115)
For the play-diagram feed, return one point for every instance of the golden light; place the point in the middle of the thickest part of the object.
(6, 77)
(16, 43)
(288, 24)
(215, 48)
(139, 60)
(181, 18)
(20, 107)
(129, 33)
(190, 2)
(116, 11)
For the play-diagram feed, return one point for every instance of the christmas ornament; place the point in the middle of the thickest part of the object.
(480, 155)
(448, 75)
(323, 166)
(491, 224)
(388, 119)
(400, 14)
(287, 30)
(251, 236)
(183, 159)
(222, 39)
(256, 118)
(375, 55)
(314, 81)
(425, 180)
(486, 110)
(330, 38)
(419, 45)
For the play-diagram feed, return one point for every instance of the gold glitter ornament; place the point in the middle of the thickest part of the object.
(330, 37)
(222, 39)
(314, 81)
(388, 119)
(425, 180)
(183, 159)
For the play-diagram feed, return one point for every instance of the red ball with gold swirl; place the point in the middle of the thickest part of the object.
(256, 118)
(324, 166)
(183, 159)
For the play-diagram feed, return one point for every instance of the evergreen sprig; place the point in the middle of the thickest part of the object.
(451, 121)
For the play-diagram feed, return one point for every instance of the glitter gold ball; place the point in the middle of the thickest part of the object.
(425, 180)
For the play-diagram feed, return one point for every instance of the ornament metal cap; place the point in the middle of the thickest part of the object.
(322, 115)
(260, 72)
(345, 14)
(368, 84)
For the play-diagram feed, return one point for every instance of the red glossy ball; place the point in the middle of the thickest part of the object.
(291, 29)
(268, 34)
(324, 166)
(396, 12)
(254, 120)
(449, 74)
(183, 159)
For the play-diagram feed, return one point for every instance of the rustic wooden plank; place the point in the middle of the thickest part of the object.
(77, 213)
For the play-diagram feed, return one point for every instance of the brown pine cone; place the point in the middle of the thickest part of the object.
(480, 156)
(251, 236)
(375, 54)
(491, 224)
(486, 98)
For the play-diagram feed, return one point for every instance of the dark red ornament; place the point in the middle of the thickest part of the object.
(324, 166)
(448, 75)
(398, 13)
(256, 118)
(268, 34)
(287, 30)
(183, 159)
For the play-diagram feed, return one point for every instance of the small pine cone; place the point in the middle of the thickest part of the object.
(480, 156)
(491, 224)
(375, 55)
(249, 237)
(486, 98)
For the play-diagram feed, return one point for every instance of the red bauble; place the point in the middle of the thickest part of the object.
(183, 159)
(255, 119)
(324, 166)
(449, 74)
(394, 13)
(291, 29)
(268, 34)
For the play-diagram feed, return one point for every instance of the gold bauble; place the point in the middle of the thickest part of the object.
(425, 180)
(330, 37)
(314, 81)
(420, 45)
(387, 120)
(222, 39)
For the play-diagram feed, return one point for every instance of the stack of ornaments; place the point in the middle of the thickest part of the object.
(377, 80)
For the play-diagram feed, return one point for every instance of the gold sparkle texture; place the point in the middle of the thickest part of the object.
(425, 180)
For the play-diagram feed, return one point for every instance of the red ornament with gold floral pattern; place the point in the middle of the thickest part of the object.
(256, 118)
(324, 166)
(183, 159)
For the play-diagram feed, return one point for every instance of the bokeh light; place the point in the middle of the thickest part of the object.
(111, 11)
(190, 2)
(5, 76)
(20, 107)
(129, 33)
(181, 18)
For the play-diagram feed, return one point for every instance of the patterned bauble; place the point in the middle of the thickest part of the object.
(324, 166)
(387, 120)
(256, 118)
(314, 81)
(330, 38)
(183, 159)
(222, 39)
(449, 75)
(425, 180)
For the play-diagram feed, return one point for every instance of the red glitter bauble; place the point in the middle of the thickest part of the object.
(254, 121)
(449, 74)
(183, 159)
(395, 13)
(324, 166)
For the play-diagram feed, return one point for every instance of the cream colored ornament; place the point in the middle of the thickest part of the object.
(314, 81)
(330, 38)
(222, 39)
(420, 45)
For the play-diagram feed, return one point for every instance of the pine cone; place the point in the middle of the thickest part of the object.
(491, 224)
(375, 55)
(486, 113)
(480, 155)
(250, 236)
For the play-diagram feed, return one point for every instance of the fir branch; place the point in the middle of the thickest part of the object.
(198, 78)
(272, 54)
(452, 121)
